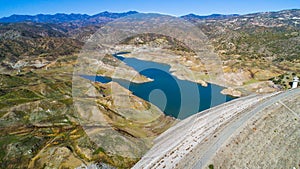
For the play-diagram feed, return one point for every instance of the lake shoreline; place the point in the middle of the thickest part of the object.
(175, 97)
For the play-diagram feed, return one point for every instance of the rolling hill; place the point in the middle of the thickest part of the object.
(40, 126)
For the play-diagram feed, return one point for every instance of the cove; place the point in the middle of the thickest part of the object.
(177, 98)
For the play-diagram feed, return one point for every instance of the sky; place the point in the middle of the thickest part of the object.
(171, 7)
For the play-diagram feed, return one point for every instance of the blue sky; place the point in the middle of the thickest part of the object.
(172, 7)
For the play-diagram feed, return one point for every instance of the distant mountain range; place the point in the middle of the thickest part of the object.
(276, 34)
(98, 18)
(213, 16)
(38, 117)
(63, 18)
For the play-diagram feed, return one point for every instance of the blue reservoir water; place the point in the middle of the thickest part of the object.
(175, 97)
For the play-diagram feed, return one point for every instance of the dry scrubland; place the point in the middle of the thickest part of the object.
(40, 127)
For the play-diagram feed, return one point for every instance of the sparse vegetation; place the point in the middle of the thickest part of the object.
(284, 80)
(159, 40)
(37, 115)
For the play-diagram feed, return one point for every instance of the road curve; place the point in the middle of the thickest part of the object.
(192, 142)
(232, 127)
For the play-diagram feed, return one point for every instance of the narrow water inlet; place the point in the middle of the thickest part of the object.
(175, 97)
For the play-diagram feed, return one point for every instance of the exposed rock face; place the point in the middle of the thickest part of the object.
(236, 78)
(231, 92)
(58, 157)
(262, 87)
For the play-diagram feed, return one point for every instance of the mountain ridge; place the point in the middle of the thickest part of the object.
(64, 17)
(212, 16)
(44, 125)
(61, 17)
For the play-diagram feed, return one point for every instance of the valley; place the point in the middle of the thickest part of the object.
(52, 117)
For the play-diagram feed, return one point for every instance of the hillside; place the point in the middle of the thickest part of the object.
(41, 127)
(21, 41)
(255, 47)
(44, 125)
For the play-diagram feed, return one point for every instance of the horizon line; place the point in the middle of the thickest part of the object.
(254, 12)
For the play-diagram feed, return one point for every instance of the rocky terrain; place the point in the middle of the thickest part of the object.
(254, 48)
(40, 127)
(44, 126)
